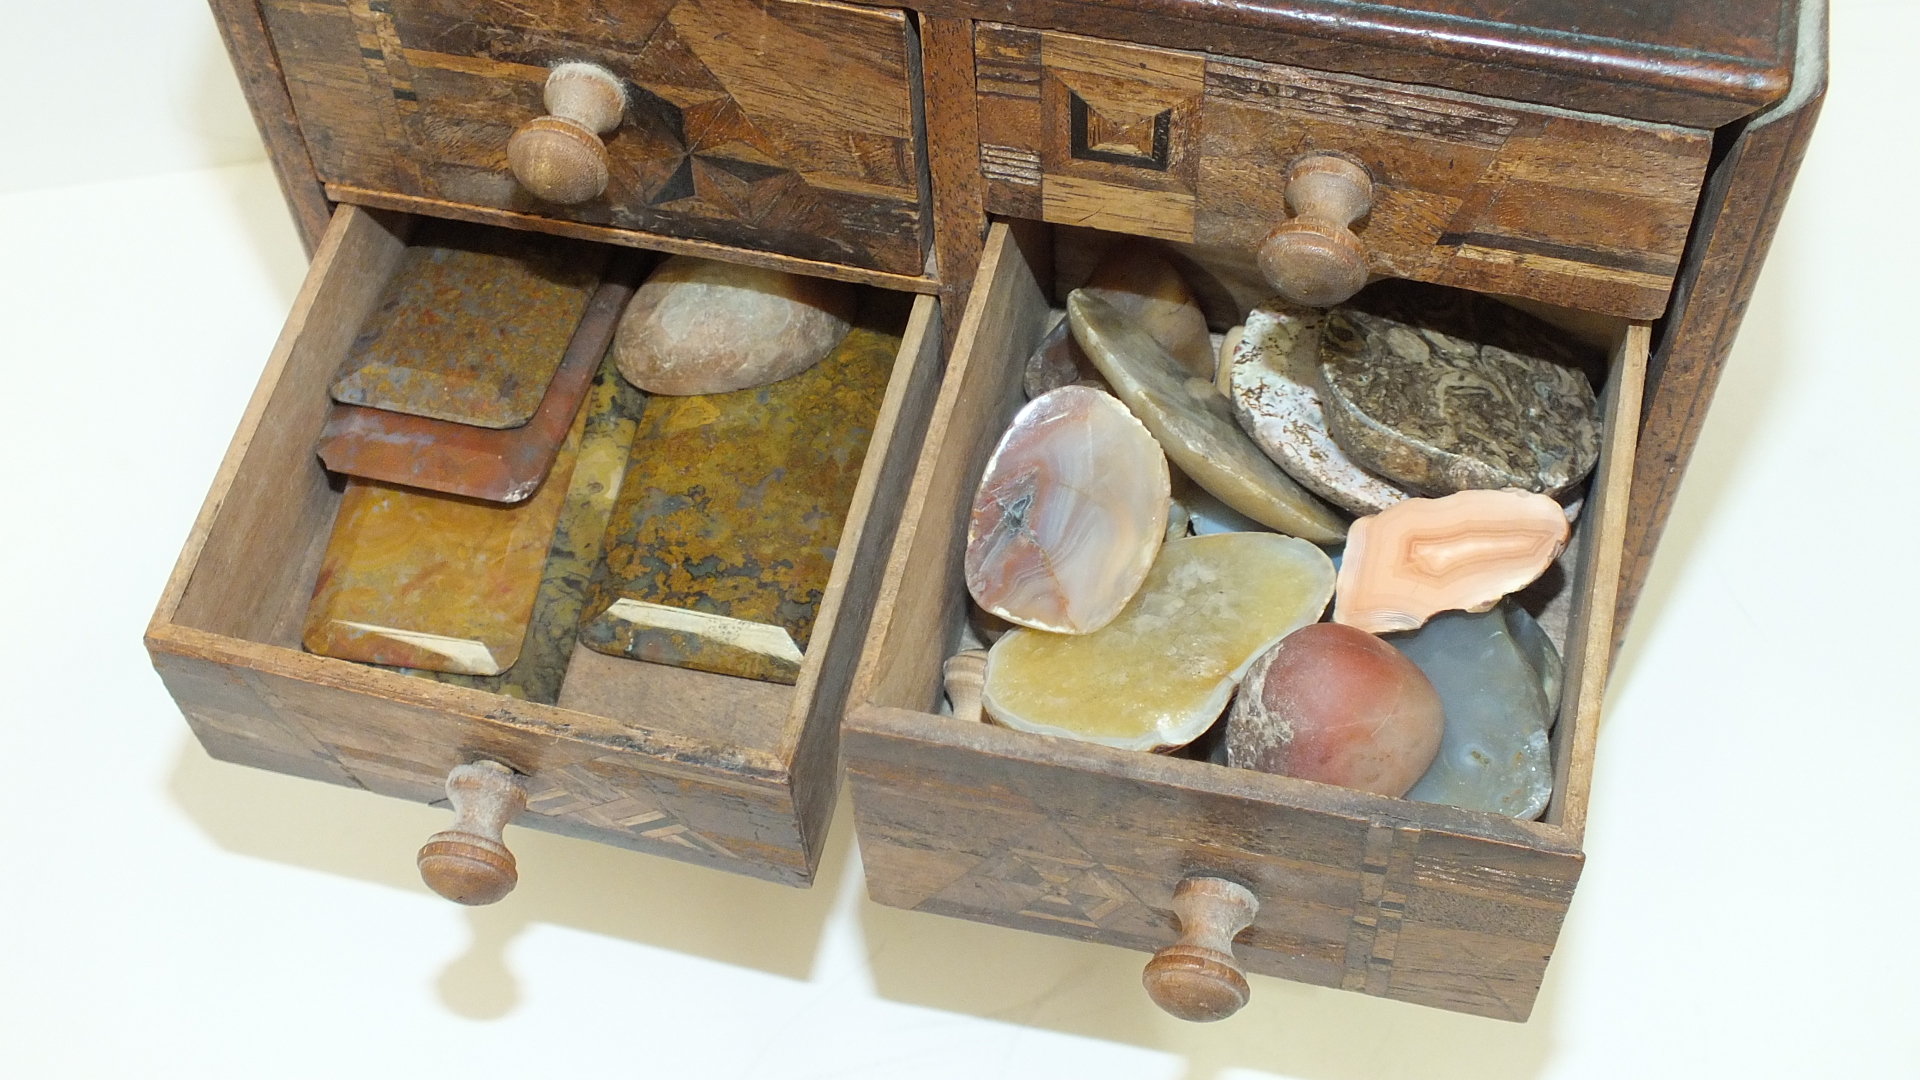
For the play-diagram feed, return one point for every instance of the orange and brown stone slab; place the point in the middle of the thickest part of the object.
(500, 465)
(472, 326)
(421, 580)
(732, 507)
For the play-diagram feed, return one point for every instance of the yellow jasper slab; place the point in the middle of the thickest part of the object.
(438, 582)
(1161, 673)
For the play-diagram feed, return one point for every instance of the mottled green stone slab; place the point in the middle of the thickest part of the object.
(472, 326)
(1442, 390)
(725, 532)
(613, 411)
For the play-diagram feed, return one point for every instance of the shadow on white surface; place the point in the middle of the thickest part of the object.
(563, 881)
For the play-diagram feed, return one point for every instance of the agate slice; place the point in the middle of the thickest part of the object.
(1069, 515)
(1271, 386)
(1336, 705)
(703, 327)
(1195, 425)
(472, 325)
(1058, 361)
(1498, 677)
(1160, 673)
(1462, 552)
(1139, 281)
(1443, 391)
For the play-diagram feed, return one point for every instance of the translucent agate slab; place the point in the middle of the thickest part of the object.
(1070, 513)
(1498, 677)
(1138, 280)
(1459, 553)
(1195, 425)
(1160, 673)
(1271, 379)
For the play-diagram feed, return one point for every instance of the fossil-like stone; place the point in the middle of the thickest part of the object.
(703, 327)
(1161, 672)
(611, 414)
(1136, 278)
(1069, 514)
(472, 325)
(1272, 389)
(1194, 424)
(497, 464)
(417, 579)
(1499, 680)
(728, 520)
(1445, 391)
(1461, 552)
(1336, 705)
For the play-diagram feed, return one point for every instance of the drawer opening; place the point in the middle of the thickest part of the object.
(1014, 300)
(238, 599)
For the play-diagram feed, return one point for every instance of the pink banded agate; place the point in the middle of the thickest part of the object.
(1070, 513)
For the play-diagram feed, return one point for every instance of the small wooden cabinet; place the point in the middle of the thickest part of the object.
(1625, 164)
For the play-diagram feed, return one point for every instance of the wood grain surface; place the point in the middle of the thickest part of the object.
(1684, 62)
(778, 125)
(244, 32)
(675, 770)
(1580, 211)
(1412, 901)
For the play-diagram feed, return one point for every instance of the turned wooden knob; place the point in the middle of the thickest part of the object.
(966, 673)
(1313, 258)
(1197, 978)
(559, 157)
(468, 863)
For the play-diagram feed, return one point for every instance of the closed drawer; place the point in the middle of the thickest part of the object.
(735, 774)
(785, 126)
(1414, 901)
(1571, 209)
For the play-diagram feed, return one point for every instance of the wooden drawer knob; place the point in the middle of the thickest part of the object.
(559, 157)
(1196, 978)
(1313, 258)
(468, 863)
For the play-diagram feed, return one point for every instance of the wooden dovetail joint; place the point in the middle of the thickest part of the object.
(1314, 258)
(469, 863)
(559, 157)
(966, 673)
(1196, 978)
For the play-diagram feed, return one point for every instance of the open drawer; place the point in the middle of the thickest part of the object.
(1414, 901)
(731, 773)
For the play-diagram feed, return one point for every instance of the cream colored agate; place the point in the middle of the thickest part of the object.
(1069, 515)
(1161, 673)
(1195, 425)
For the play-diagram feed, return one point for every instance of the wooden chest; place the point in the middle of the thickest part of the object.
(1624, 166)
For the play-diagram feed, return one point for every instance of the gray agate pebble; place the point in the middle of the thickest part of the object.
(1499, 682)
(1444, 391)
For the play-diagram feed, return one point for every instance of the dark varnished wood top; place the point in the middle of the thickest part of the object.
(1701, 63)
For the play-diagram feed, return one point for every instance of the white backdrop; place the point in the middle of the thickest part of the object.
(1743, 912)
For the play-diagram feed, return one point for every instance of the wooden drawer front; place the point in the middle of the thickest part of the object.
(1413, 901)
(786, 126)
(735, 774)
(1574, 210)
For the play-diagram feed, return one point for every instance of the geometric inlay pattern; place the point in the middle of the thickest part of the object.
(575, 792)
(1142, 142)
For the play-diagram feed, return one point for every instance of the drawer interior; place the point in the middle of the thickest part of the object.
(1147, 820)
(239, 597)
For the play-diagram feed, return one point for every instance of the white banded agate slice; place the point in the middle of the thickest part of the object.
(1069, 515)
(1161, 673)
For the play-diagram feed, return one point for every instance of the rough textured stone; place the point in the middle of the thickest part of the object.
(1194, 424)
(1499, 680)
(704, 327)
(612, 414)
(472, 326)
(1161, 673)
(421, 580)
(1070, 513)
(1271, 380)
(1136, 278)
(1443, 391)
(1461, 552)
(497, 464)
(1336, 705)
(733, 504)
